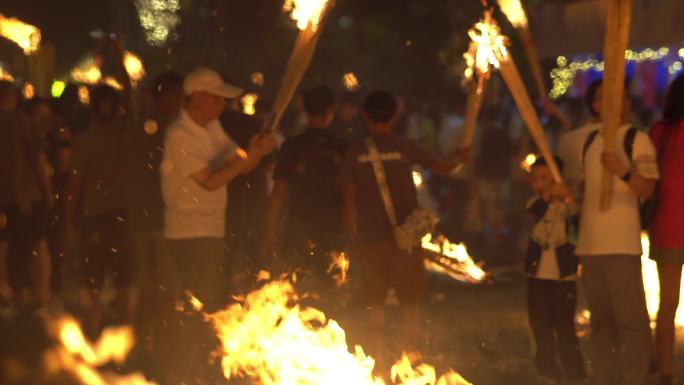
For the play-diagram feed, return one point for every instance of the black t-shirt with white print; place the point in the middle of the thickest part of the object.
(398, 158)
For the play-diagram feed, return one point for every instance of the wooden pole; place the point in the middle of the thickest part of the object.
(297, 64)
(615, 44)
(511, 76)
(473, 106)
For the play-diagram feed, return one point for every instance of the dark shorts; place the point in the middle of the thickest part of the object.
(23, 227)
(104, 248)
(22, 231)
(383, 266)
(669, 256)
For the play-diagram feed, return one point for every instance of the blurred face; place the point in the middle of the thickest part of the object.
(598, 102)
(211, 106)
(541, 179)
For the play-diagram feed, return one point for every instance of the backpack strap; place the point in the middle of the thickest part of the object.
(587, 143)
(628, 144)
(379, 172)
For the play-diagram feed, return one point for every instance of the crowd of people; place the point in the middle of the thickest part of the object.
(175, 192)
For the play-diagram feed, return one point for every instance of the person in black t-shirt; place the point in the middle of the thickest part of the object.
(368, 228)
(307, 183)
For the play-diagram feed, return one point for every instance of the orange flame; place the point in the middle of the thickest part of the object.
(78, 357)
(488, 46)
(460, 264)
(339, 264)
(4, 75)
(134, 67)
(87, 71)
(649, 271)
(24, 35)
(514, 12)
(269, 337)
(306, 12)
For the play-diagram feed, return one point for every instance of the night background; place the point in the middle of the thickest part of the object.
(93, 292)
(385, 43)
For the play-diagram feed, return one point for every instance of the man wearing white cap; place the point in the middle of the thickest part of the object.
(199, 162)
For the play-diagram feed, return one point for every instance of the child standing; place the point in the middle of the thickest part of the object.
(551, 266)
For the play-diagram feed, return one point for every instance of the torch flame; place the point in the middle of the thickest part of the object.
(110, 81)
(270, 338)
(134, 66)
(514, 12)
(487, 45)
(456, 257)
(87, 71)
(306, 12)
(4, 75)
(24, 35)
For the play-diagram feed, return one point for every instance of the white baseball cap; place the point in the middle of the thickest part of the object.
(207, 80)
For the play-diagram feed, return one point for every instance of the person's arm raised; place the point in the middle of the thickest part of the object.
(451, 166)
(241, 163)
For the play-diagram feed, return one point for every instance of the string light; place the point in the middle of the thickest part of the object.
(564, 74)
(158, 18)
(57, 88)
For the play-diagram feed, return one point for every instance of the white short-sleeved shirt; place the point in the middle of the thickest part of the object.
(617, 230)
(191, 211)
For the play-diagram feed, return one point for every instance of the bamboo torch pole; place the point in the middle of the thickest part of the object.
(473, 106)
(297, 64)
(515, 13)
(511, 76)
(617, 36)
(491, 44)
